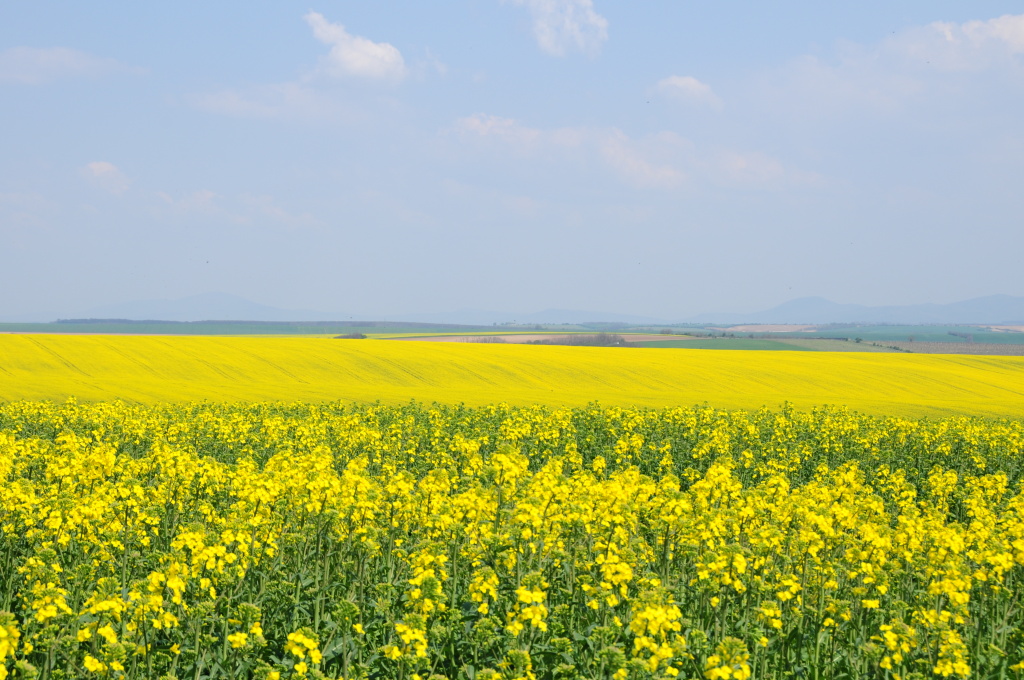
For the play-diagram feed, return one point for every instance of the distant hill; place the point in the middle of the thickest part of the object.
(548, 316)
(992, 309)
(205, 307)
(225, 307)
(222, 306)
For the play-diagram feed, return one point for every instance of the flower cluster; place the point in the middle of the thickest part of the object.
(283, 541)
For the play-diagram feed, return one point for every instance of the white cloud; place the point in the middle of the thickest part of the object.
(562, 26)
(688, 88)
(106, 176)
(310, 97)
(969, 46)
(33, 65)
(918, 67)
(353, 55)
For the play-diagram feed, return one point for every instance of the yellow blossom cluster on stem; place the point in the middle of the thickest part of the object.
(274, 540)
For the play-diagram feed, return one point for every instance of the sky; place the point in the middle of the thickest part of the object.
(663, 159)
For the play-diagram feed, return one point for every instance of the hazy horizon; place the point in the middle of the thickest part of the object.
(662, 160)
(995, 309)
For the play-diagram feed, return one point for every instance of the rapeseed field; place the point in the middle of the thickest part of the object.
(293, 541)
(153, 369)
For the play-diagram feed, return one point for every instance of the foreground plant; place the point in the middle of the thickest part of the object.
(300, 541)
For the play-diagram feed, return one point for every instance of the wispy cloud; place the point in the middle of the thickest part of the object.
(267, 208)
(243, 210)
(562, 26)
(279, 100)
(750, 168)
(506, 130)
(689, 89)
(202, 201)
(664, 160)
(311, 97)
(639, 162)
(34, 65)
(106, 176)
(22, 216)
(353, 55)
(633, 161)
(914, 66)
(969, 46)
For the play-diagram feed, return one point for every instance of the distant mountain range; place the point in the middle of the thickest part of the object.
(480, 317)
(206, 307)
(993, 309)
(225, 307)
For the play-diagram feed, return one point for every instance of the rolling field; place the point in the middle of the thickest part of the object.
(180, 369)
(290, 528)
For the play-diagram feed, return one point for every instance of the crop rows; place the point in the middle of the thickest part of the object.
(506, 543)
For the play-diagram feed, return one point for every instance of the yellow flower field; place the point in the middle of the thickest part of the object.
(287, 541)
(156, 369)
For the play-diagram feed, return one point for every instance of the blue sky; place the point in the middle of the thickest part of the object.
(659, 158)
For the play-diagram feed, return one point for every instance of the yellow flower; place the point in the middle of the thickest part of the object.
(108, 634)
(94, 665)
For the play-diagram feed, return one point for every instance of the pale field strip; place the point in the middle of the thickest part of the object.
(191, 368)
(976, 348)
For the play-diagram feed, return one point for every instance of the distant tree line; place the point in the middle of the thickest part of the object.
(585, 340)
